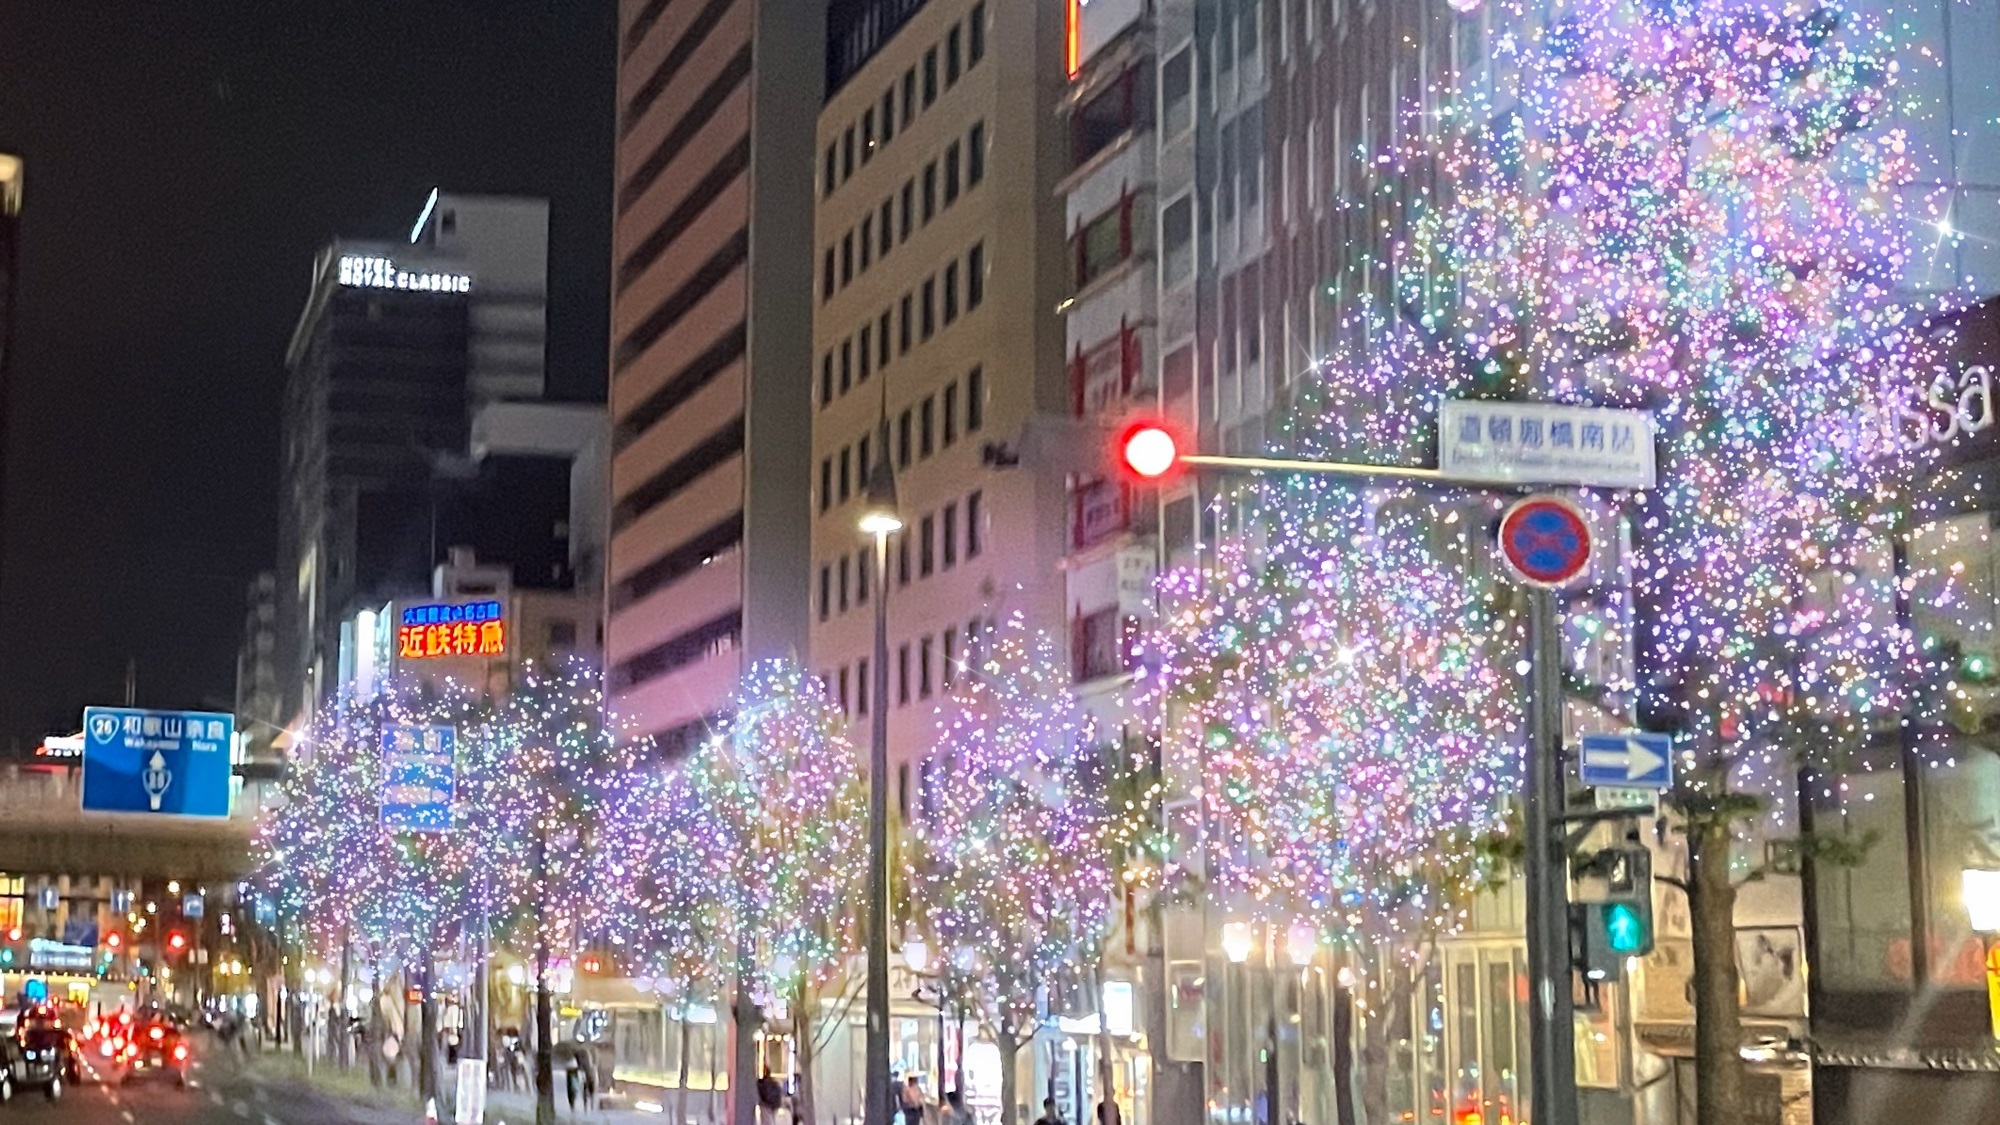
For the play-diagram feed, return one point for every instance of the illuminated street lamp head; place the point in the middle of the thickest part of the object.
(878, 511)
(1237, 941)
(916, 954)
(1149, 451)
(1982, 899)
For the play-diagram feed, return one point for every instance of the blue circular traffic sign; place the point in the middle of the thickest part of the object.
(1545, 540)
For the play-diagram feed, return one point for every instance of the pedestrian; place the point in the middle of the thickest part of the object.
(573, 1082)
(1107, 1113)
(955, 1110)
(590, 1081)
(1049, 1115)
(913, 1102)
(770, 1098)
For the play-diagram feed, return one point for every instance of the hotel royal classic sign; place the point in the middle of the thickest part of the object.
(451, 629)
(362, 271)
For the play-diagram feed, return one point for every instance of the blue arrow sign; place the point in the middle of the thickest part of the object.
(1628, 761)
(418, 781)
(167, 762)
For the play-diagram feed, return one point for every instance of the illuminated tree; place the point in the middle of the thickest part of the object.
(1012, 862)
(1695, 207)
(777, 790)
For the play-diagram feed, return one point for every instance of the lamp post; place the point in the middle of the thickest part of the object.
(879, 518)
(917, 955)
(1981, 892)
(1237, 942)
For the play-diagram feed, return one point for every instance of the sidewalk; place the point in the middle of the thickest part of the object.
(399, 1105)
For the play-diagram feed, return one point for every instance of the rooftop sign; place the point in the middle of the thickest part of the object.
(363, 272)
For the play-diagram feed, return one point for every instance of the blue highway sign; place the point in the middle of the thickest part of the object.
(1628, 761)
(170, 762)
(417, 777)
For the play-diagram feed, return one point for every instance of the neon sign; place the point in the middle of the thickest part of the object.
(469, 629)
(382, 273)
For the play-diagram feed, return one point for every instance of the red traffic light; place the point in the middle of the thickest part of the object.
(176, 942)
(1149, 451)
(111, 940)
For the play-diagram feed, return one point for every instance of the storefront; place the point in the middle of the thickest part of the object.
(1901, 1012)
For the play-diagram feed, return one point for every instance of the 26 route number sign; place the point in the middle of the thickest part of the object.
(1545, 540)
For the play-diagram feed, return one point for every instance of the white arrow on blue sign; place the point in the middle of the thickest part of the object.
(1629, 761)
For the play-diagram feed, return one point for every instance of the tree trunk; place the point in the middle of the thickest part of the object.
(294, 1012)
(805, 1007)
(343, 1043)
(1107, 1086)
(1718, 1031)
(743, 1060)
(681, 1108)
(545, 1048)
(427, 1030)
(375, 1029)
(1010, 1056)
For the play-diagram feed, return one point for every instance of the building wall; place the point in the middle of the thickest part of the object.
(965, 287)
(505, 245)
(10, 235)
(707, 561)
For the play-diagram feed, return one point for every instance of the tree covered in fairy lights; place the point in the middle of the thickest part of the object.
(1702, 208)
(780, 824)
(1011, 864)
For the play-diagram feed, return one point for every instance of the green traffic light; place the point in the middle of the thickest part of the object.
(6, 956)
(1623, 928)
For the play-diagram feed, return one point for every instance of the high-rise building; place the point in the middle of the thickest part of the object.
(375, 404)
(711, 422)
(10, 240)
(504, 243)
(940, 263)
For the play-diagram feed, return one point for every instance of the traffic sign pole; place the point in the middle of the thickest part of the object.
(1552, 1005)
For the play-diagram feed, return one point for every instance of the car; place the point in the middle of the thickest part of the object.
(156, 1050)
(47, 1057)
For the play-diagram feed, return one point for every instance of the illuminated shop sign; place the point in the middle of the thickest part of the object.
(383, 273)
(464, 629)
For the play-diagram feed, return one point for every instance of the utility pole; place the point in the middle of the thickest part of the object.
(1552, 1005)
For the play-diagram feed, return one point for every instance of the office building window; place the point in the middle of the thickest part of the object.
(1177, 241)
(903, 334)
(846, 258)
(903, 559)
(924, 654)
(975, 400)
(975, 155)
(974, 513)
(867, 134)
(903, 441)
(825, 592)
(950, 654)
(843, 689)
(930, 190)
(953, 39)
(847, 153)
(975, 41)
(845, 583)
(927, 428)
(825, 483)
(889, 114)
(909, 96)
(909, 210)
(864, 574)
(927, 547)
(951, 172)
(826, 276)
(903, 675)
(867, 352)
(951, 293)
(845, 467)
(846, 364)
(861, 464)
(903, 791)
(930, 307)
(975, 277)
(826, 379)
(930, 77)
(950, 540)
(885, 236)
(828, 170)
(950, 413)
(867, 241)
(1176, 87)
(882, 340)
(863, 688)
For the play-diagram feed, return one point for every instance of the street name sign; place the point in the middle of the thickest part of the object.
(174, 763)
(1627, 761)
(1545, 443)
(417, 777)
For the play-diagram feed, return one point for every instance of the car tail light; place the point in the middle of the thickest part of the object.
(158, 1035)
(180, 1053)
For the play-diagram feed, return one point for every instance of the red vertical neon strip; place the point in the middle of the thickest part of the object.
(1073, 36)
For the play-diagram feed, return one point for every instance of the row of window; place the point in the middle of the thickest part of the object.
(962, 168)
(845, 474)
(964, 45)
(848, 582)
(936, 303)
(935, 664)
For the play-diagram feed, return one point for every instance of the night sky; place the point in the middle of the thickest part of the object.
(184, 163)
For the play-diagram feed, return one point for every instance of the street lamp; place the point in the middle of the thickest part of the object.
(917, 955)
(1981, 892)
(880, 519)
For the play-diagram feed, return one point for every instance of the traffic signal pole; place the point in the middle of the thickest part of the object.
(1150, 453)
